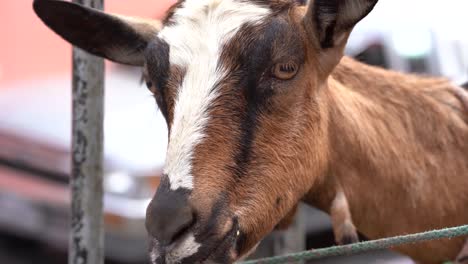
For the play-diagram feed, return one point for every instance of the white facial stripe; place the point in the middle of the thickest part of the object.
(185, 249)
(201, 29)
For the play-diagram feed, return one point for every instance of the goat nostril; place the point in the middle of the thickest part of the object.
(169, 214)
(166, 223)
(183, 229)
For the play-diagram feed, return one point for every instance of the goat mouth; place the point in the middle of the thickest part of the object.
(216, 251)
(223, 252)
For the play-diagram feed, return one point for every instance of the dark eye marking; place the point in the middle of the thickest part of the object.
(252, 54)
(254, 61)
(158, 68)
(157, 62)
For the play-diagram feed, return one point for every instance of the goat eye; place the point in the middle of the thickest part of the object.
(149, 84)
(285, 71)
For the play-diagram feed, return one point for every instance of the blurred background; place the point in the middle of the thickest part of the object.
(423, 36)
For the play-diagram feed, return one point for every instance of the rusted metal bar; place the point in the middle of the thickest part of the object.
(86, 245)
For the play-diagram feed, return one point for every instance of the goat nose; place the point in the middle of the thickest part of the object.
(168, 215)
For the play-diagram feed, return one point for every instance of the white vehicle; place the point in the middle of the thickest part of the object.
(35, 162)
(425, 36)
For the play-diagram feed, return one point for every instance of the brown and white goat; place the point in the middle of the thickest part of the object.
(263, 111)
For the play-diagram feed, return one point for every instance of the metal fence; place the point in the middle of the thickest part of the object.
(86, 245)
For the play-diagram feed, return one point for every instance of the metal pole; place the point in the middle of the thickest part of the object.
(87, 229)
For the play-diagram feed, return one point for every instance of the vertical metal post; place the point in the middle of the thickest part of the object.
(86, 243)
(284, 242)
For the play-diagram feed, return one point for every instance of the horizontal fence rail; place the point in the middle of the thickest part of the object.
(364, 246)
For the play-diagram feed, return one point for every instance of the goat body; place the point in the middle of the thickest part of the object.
(398, 146)
(462, 257)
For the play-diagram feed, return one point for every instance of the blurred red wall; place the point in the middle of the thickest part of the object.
(29, 50)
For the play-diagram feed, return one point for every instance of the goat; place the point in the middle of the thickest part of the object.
(264, 111)
(462, 257)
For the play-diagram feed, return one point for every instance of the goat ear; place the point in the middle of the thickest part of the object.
(116, 38)
(331, 21)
